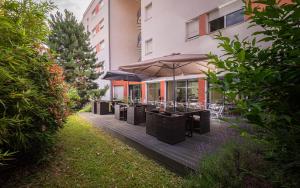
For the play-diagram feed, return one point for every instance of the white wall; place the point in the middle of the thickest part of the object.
(102, 35)
(167, 27)
(124, 32)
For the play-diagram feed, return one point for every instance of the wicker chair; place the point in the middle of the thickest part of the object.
(151, 122)
(103, 108)
(171, 128)
(202, 123)
(120, 112)
(150, 107)
(136, 115)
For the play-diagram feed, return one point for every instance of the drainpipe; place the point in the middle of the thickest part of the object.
(109, 48)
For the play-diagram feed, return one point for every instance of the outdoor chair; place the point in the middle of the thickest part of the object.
(216, 111)
(136, 115)
(103, 108)
(121, 112)
(150, 107)
(171, 128)
(201, 123)
(152, 122)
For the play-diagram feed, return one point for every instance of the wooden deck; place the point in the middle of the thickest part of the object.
(180, 158)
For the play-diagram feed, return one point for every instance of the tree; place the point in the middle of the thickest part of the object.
(33, 94)
(74, 53)
(265, 82)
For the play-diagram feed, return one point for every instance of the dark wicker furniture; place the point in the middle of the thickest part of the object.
(151, 122)
(202, 124)
(171, 128)
(121, 112)
(136, 115)
(103, 108)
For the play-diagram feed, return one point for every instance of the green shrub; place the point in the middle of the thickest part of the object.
(74, 98)
(87, 108)
(33, 100)
(235, 165)
(265, 82)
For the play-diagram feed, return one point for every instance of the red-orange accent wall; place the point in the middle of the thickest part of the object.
(162, 90)
(202, 24)
(143, 92)
(125, 85)
(201, 91)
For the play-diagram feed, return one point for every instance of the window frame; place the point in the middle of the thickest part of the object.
(234, 23)
(187, 38)
(147, 11)
(225, 21)
(146, 46)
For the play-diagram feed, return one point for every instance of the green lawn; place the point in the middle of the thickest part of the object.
(87, 157)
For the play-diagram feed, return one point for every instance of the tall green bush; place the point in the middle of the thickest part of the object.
(33, 98)
(265, 82)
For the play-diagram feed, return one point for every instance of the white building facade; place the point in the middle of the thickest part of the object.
(144, 29)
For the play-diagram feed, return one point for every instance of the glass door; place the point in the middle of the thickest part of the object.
(135, 93)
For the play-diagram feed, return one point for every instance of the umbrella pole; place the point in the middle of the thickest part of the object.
(174, 89)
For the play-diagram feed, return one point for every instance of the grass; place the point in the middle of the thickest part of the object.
(87, 157)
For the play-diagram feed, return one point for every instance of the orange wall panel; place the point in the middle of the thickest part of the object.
(162, 90)
(203, 24)
(201, 91)
(143, 92)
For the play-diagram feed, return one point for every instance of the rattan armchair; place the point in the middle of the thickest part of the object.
(136, 115)
(171, 128)
(202, 123)
(151, 122)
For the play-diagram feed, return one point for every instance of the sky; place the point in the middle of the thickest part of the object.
(76, 6)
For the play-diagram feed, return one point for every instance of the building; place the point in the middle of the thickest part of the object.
(114, 34)
(140, 30)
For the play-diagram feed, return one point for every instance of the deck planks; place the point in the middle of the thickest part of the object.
(184, 156)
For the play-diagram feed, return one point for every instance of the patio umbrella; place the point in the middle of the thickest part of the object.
(171, 65)
(126, 76)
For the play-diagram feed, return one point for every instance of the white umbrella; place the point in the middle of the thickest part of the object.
(171, 65)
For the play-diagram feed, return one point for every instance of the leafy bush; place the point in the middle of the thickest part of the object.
(74, 98)
(86, 108)
(235, 165)
(265, 83)
(33, 100)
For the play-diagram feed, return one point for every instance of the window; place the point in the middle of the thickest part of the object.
(98, 27)
(153, 92)
(102, 45)
(94, 31)
(221, 19)
(193, 93)
(148, 46)
(94, 12)
(216, 24)
(192, 29)
(101, 24)
(148, 12)
(135, 93)
(186, 92)
(118, 93)
(100, 69)
(235, 17)
(101, 4)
